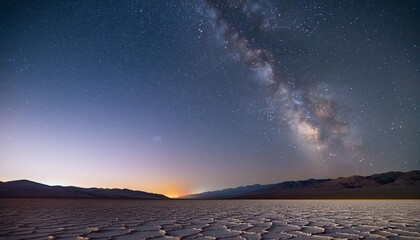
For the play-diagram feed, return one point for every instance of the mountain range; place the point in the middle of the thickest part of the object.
(29, 189)
(393, 185)
(390, 185)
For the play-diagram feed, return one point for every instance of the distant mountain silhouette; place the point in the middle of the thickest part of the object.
(393, 185)
(29, 189)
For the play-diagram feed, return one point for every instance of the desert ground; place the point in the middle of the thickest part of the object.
(209, 219)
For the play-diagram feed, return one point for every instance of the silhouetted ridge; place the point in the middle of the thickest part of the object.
(386, 185)
(29, 189)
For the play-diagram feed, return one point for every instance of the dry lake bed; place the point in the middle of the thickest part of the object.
(213, 219)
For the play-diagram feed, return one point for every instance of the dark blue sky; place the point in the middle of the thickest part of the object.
(180, 97)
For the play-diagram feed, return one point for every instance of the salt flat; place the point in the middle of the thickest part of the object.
(212, 219)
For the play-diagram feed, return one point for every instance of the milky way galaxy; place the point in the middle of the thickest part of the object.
(315, 117)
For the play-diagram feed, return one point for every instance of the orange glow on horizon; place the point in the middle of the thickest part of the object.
(174, 190)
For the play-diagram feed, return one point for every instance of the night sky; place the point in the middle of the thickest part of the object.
(179, 97)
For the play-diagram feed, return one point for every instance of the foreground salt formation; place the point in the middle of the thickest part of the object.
(192, 219)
